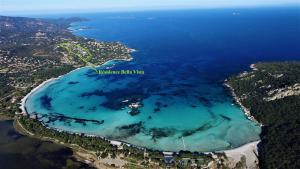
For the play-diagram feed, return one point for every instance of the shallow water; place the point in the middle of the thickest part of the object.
(186, 55)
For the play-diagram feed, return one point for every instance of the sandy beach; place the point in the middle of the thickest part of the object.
(249, 151)
(23, 101)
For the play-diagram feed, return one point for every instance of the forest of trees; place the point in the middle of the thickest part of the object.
(102, 147)
(280, 137)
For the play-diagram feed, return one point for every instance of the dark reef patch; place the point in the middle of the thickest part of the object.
(71, 83)
(91, 73)
(134, 112)
(225, 117)
(121, 98)
(114, 104)
(158, 106)
(92, 108)
(206, 102)
(52, 117)
(199, 129)
(46, 102)
(158, 133)
(130, 130)
(130, 126)
(211, 113)
(93, 93)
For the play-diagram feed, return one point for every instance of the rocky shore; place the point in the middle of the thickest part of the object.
(238, 100)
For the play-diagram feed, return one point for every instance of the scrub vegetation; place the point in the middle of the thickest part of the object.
(271, 93)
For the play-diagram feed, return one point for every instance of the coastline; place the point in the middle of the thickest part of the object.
(81, 154)
(232, 153)
(114, 142)
(238, 101)
(245, 110)
(249, 151)
(24, 99)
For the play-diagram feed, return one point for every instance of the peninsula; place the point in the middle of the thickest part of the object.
(270, 93)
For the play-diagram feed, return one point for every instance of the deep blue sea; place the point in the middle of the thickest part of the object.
(186, 56)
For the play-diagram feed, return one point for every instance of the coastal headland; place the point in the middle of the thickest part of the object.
(270, 94)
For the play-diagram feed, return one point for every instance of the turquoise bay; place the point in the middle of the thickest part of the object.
(185, 56)
(187, 123)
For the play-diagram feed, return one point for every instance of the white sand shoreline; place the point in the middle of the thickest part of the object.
(242, 147)
(249, 150)
(23, 100)
(23, 108)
